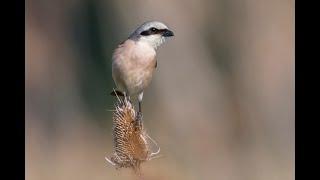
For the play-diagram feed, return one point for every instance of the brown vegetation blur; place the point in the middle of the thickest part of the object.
(221, 104)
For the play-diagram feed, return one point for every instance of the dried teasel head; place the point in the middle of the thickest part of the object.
(132, 145)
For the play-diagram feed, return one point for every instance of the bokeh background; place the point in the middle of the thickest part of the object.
(221, 104)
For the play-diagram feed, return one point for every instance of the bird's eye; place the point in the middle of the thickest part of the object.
(153, 29)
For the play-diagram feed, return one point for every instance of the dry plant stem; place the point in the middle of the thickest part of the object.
(132, 145)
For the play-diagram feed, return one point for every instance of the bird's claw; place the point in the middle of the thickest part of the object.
(139, 120)
(139, 116)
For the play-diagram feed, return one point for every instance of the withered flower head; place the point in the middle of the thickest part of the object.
(132, 145)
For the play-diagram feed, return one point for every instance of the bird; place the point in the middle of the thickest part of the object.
(134, 60)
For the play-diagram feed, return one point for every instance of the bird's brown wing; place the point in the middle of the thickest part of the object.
(155, 66)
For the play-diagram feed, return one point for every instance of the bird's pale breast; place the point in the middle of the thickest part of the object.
(133, 64)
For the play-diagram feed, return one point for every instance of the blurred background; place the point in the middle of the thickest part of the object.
(221, 104)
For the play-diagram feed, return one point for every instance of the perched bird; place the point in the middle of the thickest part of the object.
(134, 60)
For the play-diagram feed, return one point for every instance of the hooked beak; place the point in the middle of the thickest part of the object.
(167, 33)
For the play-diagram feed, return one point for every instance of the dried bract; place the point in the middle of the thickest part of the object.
(132, 145)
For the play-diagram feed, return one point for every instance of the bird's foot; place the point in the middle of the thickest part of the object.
(139, 116)
(139, 119)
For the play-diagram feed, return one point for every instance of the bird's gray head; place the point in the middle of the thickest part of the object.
(152, 32)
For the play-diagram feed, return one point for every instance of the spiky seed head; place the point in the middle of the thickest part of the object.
(130, 140)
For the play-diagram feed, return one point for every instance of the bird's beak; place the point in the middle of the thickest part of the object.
(167, 33)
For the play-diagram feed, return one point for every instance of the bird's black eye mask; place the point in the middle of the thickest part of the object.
(152, 31)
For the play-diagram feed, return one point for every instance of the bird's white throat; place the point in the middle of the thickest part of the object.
(153, 40)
